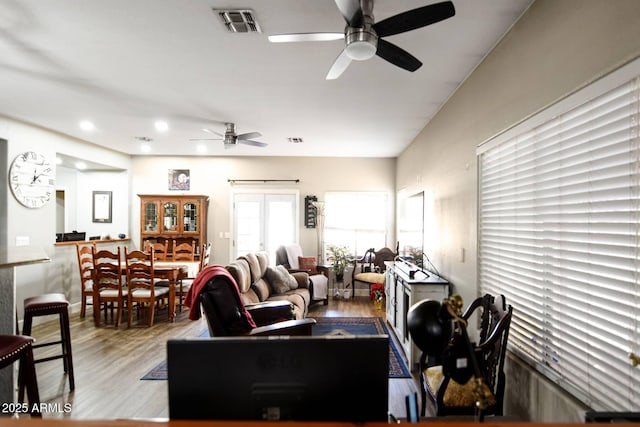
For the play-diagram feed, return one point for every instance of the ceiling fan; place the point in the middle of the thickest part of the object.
(231, 138)
(363, 36)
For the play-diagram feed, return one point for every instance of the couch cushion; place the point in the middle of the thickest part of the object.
(254, 266)
(280, 279)
(300, 299)
(302, 278)
(263, 260)
(262, 289)
(239, 269)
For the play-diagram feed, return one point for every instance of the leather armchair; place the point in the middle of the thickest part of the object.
(227, 316)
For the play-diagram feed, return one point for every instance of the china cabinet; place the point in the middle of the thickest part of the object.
(181, 218)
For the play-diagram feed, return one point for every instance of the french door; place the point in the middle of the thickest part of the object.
(264, 221)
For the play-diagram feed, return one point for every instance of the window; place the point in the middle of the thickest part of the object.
(559, 236)
(262, 222)
(357, 220)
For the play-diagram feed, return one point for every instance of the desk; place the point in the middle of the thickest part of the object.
(11, 257)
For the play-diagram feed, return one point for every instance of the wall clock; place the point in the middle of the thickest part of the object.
(31, 179)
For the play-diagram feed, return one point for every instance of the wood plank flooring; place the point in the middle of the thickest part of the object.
(108, 364)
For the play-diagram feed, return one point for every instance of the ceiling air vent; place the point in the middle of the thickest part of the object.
(238, 20)
(295, 139)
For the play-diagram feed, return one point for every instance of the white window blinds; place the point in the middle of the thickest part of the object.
(559, 228)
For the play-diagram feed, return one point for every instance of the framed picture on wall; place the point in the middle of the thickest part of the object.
(102, 206)
(179, 179)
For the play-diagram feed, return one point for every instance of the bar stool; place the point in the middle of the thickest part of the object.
(44, 305)
(19, 348)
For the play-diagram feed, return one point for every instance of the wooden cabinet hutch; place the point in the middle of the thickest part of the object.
(173, 217)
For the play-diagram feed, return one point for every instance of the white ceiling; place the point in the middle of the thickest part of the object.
(125, 63)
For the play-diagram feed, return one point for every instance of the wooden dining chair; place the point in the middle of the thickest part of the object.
(205, 255)
(85, 265)
(108, 289)
(184, 251)
(160, 249)
(143, 289)
(438, 386)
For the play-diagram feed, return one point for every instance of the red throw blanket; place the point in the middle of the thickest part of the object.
(192, 299)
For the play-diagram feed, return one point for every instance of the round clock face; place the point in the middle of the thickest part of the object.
(31, 179)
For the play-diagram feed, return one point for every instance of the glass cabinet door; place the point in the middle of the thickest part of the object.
(150, 217)
(170, 210)
(190, 217)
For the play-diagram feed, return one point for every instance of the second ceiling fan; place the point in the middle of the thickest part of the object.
(363, 36)
(231, 138)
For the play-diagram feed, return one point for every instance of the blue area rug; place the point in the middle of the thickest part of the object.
(331, 326)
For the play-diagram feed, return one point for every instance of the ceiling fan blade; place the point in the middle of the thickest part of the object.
(305, 37)
(351, 11)
(415, 18)
(339, 65)
(249, 135)
(397, 56)
(207, 130)
(252, 142)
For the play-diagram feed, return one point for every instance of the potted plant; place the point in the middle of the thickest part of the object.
(339, 259)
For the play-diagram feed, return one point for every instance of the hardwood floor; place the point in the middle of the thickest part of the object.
(109, 363)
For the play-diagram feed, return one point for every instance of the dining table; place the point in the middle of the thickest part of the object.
(172, 271)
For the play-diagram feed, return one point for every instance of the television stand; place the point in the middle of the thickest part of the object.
(405, 285)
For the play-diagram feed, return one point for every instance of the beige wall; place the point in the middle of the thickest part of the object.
(557, 47)
(209, 176)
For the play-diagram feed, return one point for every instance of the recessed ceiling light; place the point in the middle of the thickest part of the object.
(201, 148)
(87, 125)
(58, 160)
(81, 165)
(145, 148)
(161, 126)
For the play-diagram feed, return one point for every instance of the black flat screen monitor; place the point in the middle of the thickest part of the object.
(611, 417)
(74, 236)
(323, 378)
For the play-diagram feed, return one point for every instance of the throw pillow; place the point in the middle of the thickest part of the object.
(308, 263)
(280, 279)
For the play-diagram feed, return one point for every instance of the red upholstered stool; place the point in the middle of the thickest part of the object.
(44, 305)
(19, 348)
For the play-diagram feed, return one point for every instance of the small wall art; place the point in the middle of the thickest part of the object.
(179, 179)
(102, 206)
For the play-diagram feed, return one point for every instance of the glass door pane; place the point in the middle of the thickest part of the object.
(170, 216)
(264, 222)
(190, 217)
(151, 217)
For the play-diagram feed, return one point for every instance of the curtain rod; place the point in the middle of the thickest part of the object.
(264, 181)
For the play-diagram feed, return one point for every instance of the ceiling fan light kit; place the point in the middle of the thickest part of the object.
(363, 36)
(362, 44)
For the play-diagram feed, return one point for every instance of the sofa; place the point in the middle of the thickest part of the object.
(259, 282)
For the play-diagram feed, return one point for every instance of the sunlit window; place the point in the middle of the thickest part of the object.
(356, 220)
